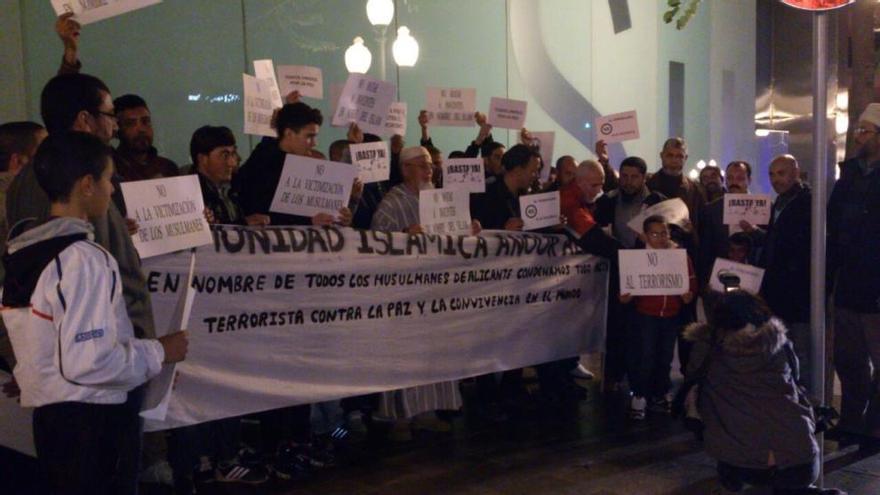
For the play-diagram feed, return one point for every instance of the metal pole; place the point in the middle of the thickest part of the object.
(819, 184)
(381, 35)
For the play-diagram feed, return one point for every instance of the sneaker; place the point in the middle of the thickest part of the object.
(290, 465)
(236, 473)
(661, 404)
(204, 473)
(581, 372)
(637, 407)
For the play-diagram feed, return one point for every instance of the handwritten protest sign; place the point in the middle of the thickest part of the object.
(653, 272)
(257, 106)
(451, 107)
(507, 114)
(617, 127)
(464, 174)
(265, 71)
(170, 214)
(365, 101)
(309, 186)
(94, 11)
(673, 210)
(335, 93)
(539, 210)
(750, 277)
(373, 161)
(445, 212)
(753, 208)
(309, 81)
(396, 121)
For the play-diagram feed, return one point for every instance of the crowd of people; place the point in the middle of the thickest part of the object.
(72, 276)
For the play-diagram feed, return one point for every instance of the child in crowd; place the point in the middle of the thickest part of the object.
(656, 323)
(77, 355)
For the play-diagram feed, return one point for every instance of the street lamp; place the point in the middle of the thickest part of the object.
(358, 57)
(405, 48)
(380, 12)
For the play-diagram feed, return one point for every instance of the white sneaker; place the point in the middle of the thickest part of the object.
(637, 407)
(581, 372)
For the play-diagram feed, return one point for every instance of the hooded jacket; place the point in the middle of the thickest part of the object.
(63, 306)
(749, 401)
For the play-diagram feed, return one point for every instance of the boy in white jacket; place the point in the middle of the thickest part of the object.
(63, 305)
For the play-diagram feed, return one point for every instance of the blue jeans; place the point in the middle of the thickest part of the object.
(650, 352)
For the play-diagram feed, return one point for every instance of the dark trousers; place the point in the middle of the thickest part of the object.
(217, 439)
(88, 448)
(619, 317)
(650, 353)
(788, 481)
(286, 425)
(857, 361)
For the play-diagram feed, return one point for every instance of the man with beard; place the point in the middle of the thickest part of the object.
(714, 235)
(623, 204)
(713, 184)
(671, 182)
(854, 264)
(566, 166)
(136, 158)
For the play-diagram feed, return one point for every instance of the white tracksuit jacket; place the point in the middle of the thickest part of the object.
(74, 341)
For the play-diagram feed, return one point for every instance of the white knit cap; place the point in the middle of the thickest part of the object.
(871, 114)
(413, 152)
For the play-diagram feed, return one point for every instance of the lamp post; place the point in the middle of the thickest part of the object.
(381, 13)
(405, 48)
(358, 57)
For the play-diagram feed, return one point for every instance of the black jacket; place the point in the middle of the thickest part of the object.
(495, 207)
(854, 237)
(786, 259)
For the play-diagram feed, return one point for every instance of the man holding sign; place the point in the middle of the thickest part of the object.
(297, 125)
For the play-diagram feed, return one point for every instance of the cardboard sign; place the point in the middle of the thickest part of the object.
(309, 186)
(309, 81)
(365, 100)
(265, 70)
(544, 142)
(674, 210)
(750, 277)
(464, 174)
(89, 12)
(507, 114)
(395, 123)
(335, 93)
(445, 212)
(451, 107)
(373, 161)
(258, 107)
(539, 210)
(617, 127)
(653, 272)
(753, 208)
(170, 214)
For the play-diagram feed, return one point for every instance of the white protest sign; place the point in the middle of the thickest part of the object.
(87, 12)
(373, 161)
(265, 70)
(158, 392)
(395, 123)
(170, 214)
(539, 210)
(445, 212)
(451, 107)
(16, 431)
(365, 101)
(750, 277)
(544, 142)
(464, 174)
(653, 272)
(335, 93)
(309, 186)
(617, 127)
(507, 114)
(309, 81)
(753, 208)
(258, 107)
(674, 210)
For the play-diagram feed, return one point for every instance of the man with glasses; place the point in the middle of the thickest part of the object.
(854, 266)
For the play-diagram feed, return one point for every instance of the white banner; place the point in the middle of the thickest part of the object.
(653, 272)
(294, 315)
(395, 123)
(445, 212)
(539, 210)
(464, 174)
(89, 12)
(309, 81)
(365, 101)
(451, 107)
(309, 186)
(265, 71)
(507, 114)
(170, 213)
(373, 161)
(257, 106)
